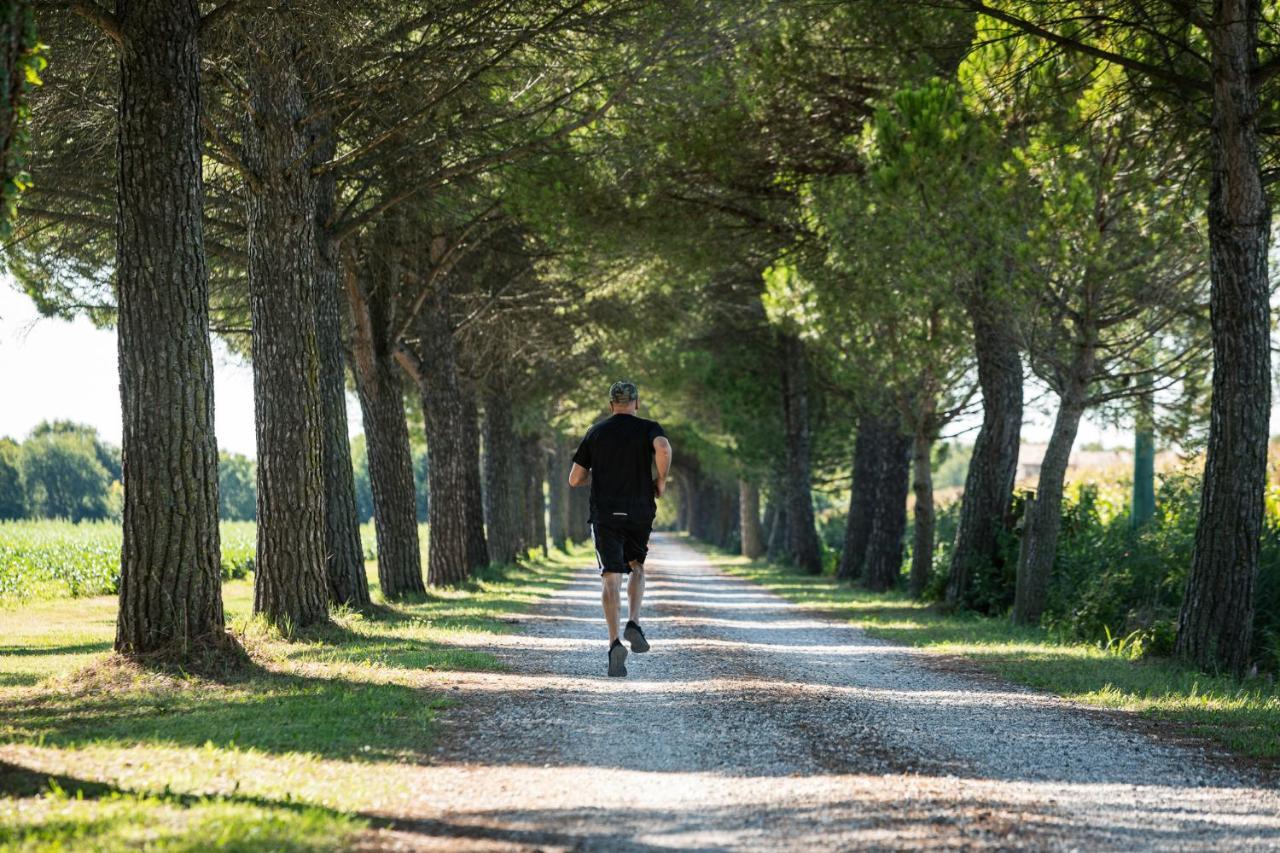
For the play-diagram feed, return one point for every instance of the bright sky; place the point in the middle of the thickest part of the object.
(58, 370)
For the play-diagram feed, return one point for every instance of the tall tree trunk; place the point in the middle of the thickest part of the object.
(386, 431)
(501, 497)
(776, 551)
(803, 548)
(448, 556)
(867, 449)
(1143, 508)
(473, 494)
(988, 488)
(535, 508)
(170, 568)
(925, 515)
(1044, 516)
(345, 567)
(1216, 623)
(749, 523)
(558, 493)
(17, 43)
(453, 472)
(730, 518)
(766, 527)
(290, 584)
(684, 501)
(889, 517)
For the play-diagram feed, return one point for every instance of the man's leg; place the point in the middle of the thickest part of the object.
(611, 597)
(635, 591)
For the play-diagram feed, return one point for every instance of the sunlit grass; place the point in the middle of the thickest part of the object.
(1244, 716)
(289, 754)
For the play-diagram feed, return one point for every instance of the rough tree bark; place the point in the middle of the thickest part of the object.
(1044, 514)
(889, 515)
(381, 393)
(803, 548)
(473, 495)
(558, 493)
(290, 585)
(450, 426)
(535, 508)
(17, 43)
(395, 514)
(501, 498)
(170, 575)
(988, 488)
(345, 555)
(926, 519)
(1216, 623)
(867, 448)
(749, 523)
(776, 551)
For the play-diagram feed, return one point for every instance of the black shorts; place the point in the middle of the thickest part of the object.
(617, 545)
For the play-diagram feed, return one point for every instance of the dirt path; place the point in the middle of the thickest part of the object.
(753, 725)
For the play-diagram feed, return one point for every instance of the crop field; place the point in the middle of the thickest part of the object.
(59, 559)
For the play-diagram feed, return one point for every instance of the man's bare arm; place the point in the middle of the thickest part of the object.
(579, 476)
(662, 459)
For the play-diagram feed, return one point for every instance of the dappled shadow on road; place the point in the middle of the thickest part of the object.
(715, 684)
(754, 724)
(868, 811)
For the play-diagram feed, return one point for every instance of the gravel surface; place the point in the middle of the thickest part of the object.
(754, 725)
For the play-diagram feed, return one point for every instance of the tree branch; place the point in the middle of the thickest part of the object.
(1033, 29)
(105, 21)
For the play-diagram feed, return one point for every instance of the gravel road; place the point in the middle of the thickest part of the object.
(754, 725)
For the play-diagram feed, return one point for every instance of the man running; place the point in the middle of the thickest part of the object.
(615, 458)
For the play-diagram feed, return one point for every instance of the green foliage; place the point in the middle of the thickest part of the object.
(238, 541)
(64, 475)
(13, 501)
(237, 487)
(364, 491)
(1121, 588)
(951, 464)
(21, 62)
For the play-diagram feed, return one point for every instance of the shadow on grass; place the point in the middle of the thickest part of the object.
(18, 679)
(76, 649)
(105, 816)
(268, 711)
(361, 710)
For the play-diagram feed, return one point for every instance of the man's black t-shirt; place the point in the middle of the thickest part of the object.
(619, 452)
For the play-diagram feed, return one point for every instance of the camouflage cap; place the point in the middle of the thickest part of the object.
(622, 392)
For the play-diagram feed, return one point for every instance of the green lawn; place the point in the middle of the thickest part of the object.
(1244, 717)
(100, 754)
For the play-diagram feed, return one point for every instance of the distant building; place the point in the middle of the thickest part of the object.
(1119, 460)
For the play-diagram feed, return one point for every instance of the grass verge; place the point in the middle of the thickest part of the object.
(99, 753)
(1242, 716)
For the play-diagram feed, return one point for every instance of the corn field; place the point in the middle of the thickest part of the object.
(57, 559)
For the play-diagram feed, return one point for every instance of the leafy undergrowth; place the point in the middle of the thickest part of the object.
(287, 753)
(1243, 716)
